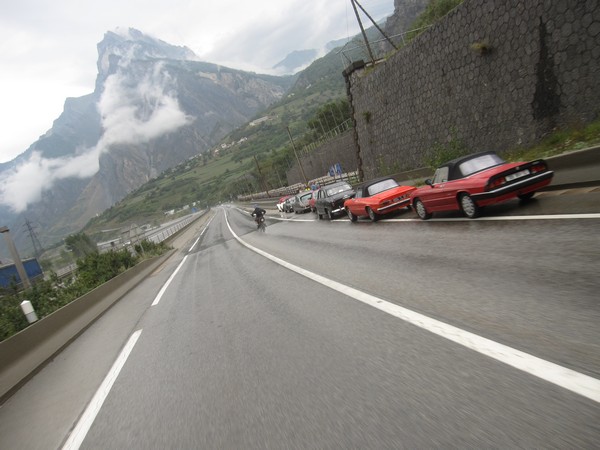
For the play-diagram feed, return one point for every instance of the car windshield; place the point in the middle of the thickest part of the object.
(338, 189)
(479, 163)
(381, 186)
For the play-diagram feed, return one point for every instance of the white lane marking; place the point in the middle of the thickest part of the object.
(561, 376)
(283, 219)
(89, 415)
(166, 285)
(203, 231)
(293, 219)
(503, 218)
(194, 244)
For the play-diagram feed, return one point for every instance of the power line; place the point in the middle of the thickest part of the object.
(35, 242)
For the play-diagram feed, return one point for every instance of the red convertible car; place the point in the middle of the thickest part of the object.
(378, 197)
(471, 182)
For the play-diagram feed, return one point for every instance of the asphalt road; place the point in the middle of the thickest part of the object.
(240, 352)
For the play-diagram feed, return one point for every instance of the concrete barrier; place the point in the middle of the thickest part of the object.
(26, 351)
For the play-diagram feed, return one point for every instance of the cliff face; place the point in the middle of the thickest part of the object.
(154, 106)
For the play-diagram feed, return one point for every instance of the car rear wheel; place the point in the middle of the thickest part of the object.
(421, 210)
(351, 216)
(372, 215)
(469, 207)
(525, 197)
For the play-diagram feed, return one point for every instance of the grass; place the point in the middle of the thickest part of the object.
(561, 141)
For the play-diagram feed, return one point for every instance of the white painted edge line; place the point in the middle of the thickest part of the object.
(285, 219)
(561, 376)
(502, 218)
(93, 408)
(282, 219)
(203, 231)
(166, 285)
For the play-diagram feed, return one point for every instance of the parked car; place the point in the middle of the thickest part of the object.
(287, 204)
(378, 197)
(472, 182)
(281, 202)
(300, 202)
(313, 199)
(331, 198)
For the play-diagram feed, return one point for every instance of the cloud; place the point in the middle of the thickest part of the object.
(139, 112)
(133, 112)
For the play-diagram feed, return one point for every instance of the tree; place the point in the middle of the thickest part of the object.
(80, 244)
(329, 116)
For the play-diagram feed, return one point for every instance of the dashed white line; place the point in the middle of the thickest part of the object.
(561, 376)
(166, 285)
(203, 231)
(87, 419)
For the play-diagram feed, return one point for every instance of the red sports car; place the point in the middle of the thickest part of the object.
(378, 197)
(471, 182)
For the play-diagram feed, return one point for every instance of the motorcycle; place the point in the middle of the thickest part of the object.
(261, 224)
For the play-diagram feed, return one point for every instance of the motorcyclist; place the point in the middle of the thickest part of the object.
(258, 213)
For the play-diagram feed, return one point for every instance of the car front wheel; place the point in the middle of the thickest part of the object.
(421, 210)
(351, 216)
(469, 207)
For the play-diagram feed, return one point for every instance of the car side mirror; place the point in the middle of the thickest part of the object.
(428, 182)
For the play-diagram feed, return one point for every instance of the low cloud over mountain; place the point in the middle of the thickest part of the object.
(154, 106)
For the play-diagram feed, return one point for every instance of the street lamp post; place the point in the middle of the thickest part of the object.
(296, 155)
(16, 258)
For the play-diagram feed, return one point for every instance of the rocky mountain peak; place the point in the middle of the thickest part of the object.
(124, 45)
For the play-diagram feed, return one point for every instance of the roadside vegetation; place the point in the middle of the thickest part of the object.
(93, 269)
(561, 141)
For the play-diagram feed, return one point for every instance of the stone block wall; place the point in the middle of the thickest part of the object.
(494, 74)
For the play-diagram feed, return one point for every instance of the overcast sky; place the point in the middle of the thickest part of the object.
(48, 49)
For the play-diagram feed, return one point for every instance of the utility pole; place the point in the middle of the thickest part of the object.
(16, 258)
(374, 23)
(264, 183)
(362, 30)
(296, 154)
(37, 247)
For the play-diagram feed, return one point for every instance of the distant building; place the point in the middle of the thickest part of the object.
(9, 274)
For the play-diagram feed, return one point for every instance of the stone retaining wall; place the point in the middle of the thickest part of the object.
(492, 75)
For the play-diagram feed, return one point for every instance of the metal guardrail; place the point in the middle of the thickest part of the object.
(166, 233)
(350, 177)
(155, 237)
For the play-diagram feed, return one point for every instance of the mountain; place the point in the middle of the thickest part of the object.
(300, 59)
(154, 105)
(296, 60)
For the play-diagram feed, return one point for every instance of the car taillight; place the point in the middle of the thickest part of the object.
(538, 167)
(496, 182)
